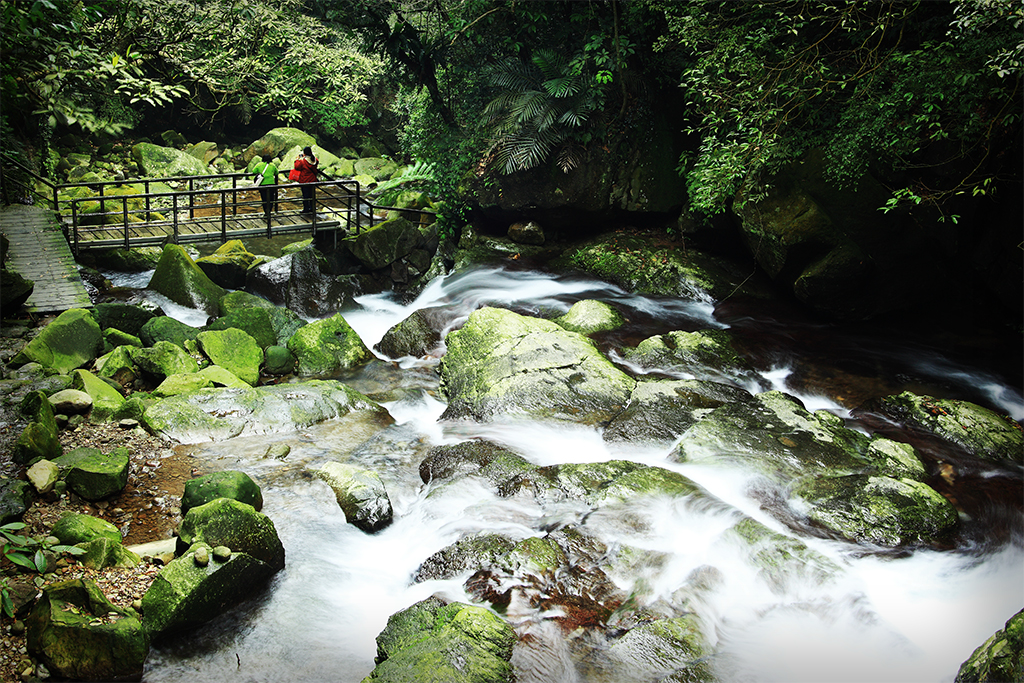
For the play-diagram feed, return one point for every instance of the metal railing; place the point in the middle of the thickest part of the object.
(16, 184)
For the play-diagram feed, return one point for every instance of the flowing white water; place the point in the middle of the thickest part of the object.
(914, 617)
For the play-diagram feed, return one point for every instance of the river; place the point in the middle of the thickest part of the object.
(904, 616)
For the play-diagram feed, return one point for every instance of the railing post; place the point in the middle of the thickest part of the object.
(191, 199)
(124, 216)
(149, 208)
(103, 202)
(74, 223)
(174, 213)
(359, 213)
(224, 216)
(314, 209)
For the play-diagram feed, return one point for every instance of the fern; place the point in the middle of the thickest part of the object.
(422, 174)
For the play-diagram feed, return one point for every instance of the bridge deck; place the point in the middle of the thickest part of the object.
(40, 252)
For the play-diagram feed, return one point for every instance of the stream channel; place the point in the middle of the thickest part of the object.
(911, 615)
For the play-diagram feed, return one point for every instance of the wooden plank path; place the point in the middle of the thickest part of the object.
(40, 252)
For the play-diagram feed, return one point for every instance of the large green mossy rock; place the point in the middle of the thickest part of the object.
(256, 322)
(360, 494)
(328, 346)
(135, 260)
(225, 484)
(106, 400)
(502, 363)
(217, 414)
(879, 510)
(221, 377)
(493, 462)
(379, 168)
(384, 243)
(1000, 659)
(179, 279)
(190, 591)
(435, 642)
(165, 328)
(241, 300)
(278, 141)
(74, 528)
(15, 290)
(660, 411)
(80, 635)
(114, 337)
(235, 351)
(982, 432)
(166, 162)
(15, 498)
(228, 265)
(163, 359)
(186, 383)
(707, 354)
(121, 316)
(590, 317)
(237, 525)
(101, 553)
(118, 366)
(415, 336)
(39, 439)
(92, 474)
(278, 360)
(70, 341)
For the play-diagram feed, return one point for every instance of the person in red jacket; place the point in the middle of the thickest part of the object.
(306, 164)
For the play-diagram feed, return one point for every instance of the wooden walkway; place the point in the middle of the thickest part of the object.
(40, 252)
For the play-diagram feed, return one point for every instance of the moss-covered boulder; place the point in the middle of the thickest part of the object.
(327, 346)
(15, 289)
(70, 402)
(451, 642)
(166, 162)
(118, 366)
(224, 484)
(217, 414)
(228, 265)
(199, 586)
(480, 551)
(384, 243)
(706, 354)
(114, 337)
(237, 525)
(163, 359)
(70, 341)
(895, 459)
(15, 498)
(278, 360)
(241, 300)
(276, 142)
(81, 635)
(258, 323)
(92, 474)
(235, 351)
(590, 317)
(676, 645)
(782, 562)
(982, 432)
(122, 316)
(221, 377)
(485, 459)
(360, 494)
(661, 410)
(183, 383)
(106, 400)
(101, 553)
(879, 510)
(379, 168)
(74, 528)
(502, 363)
(302, 282)
(179, 279)
(415, 336)
(39, 439)
(164, 328)
(1000, 659)
(135, 260)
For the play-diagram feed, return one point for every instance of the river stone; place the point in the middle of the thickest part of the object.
(43, 475)
(489, 460)
(93, 475)
(707, 354)
(182, 383)
(880, 510)
(15, 499)
(473, 552)
(256, 322)
(79, 634)
(278, 360)
(74, 528)
(234, 350)
(437, 641)
(590, 317)
(378, 167)
(240, 300)
(121, 316)
(163, 359)
(666, 646)
(105, 398)
(982, 432)
(776, 435)
(113, 338)
(328, 346)
(39, 440)
(224, 484)
(502, 363)
(660, 411)
(1000, 658)
(224, 521)
(118, 366)
(164, 328)
(302, 282)
(360, 493)
(134, 260)
(166, 162)
(276, 142)
(71, 340)
(101, 553)
(895, 459)
(221, 377)
(227, 266)
(384, 243)
(528, 232)
(179, 279)
(184, 594)
(70, 402)
(415, 336)
(783, 562)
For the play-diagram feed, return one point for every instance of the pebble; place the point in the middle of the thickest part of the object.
(201, 557)
(222, 553)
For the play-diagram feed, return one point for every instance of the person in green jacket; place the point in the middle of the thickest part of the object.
(266, 178)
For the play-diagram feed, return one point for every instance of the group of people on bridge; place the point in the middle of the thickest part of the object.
(304, 172)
